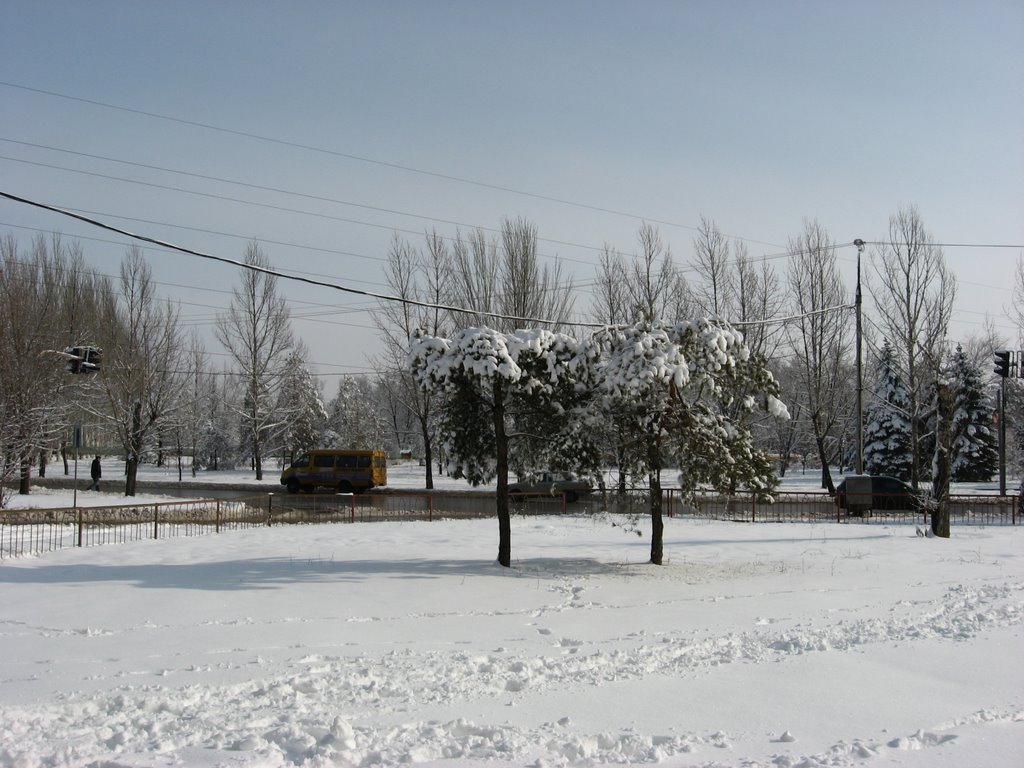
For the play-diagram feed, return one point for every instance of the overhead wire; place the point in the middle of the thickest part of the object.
(325, 284)
(283, 275)
(373, 161)
(261, 187)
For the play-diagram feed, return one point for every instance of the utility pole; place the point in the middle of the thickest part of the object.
(860, 366)
(1006, 366)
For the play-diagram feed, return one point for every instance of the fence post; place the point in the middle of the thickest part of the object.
(352, 501)
(753, 507)
(430, 507)
(270, 508)
(80, 525)
(216, 527)
(671, 495)
(156, 522)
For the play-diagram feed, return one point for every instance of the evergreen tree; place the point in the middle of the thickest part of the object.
(887, 422)
(975, 443)
(676, 390)
(217, 448)
(301, 407)
(505, 389)
(355, 417)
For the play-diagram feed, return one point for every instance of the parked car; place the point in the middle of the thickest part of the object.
(858, 493)
(551, 484)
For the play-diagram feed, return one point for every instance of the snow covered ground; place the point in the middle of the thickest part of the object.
(398, 643)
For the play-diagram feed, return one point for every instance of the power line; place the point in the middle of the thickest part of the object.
(346, 289)
(284, 275)
(953, 245)
(373, 161)
(261, 240)
(261, 187)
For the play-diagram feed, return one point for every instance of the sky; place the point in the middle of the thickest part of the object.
(323, 130)
(381, 644)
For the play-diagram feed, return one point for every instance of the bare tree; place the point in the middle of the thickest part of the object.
(506, 278)
(711, 262)
(757, 300)
(1017, 309)
(31, 372)
(611, 304)
(821, 336)
(980, 346)
(472, 279)
(653, 288)
(913, 292)
(192, 419)
(412, 276)
(142, 352)
(256, 332)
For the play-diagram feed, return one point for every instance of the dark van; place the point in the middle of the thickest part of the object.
(348, 471)
(858, 493)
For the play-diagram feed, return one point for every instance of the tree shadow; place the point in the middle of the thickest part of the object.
(274, 572)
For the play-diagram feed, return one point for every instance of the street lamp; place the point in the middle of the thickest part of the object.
(860, 367)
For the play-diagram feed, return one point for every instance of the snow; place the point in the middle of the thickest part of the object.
(405, 643)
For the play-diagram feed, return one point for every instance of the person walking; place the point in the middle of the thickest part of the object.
(96, 472)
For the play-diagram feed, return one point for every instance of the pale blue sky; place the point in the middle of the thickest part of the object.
(754, 114)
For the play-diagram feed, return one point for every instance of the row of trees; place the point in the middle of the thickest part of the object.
(155, 392)
(911, 294)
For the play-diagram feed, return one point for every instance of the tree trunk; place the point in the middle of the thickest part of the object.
(501, 460)
(620, 457)
(427, 454)
(657, 521)
(257, 459)
(43, 455)
(131, 474)
(943, 470)
(25, 479)
(826, 473)
(64, 457)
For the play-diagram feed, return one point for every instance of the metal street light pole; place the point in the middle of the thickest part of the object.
(860, 367)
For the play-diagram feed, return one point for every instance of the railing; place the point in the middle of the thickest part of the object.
(37, 531)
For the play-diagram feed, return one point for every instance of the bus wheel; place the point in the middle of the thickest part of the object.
(293, 485)
(345, 487)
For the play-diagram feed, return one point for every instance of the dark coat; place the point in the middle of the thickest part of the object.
(96, 472)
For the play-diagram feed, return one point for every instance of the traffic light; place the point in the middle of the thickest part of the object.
(1002, 361)
(90, 359)
(82, 359)
(74, 363)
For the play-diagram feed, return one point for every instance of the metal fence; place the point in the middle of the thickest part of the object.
(37, 531)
